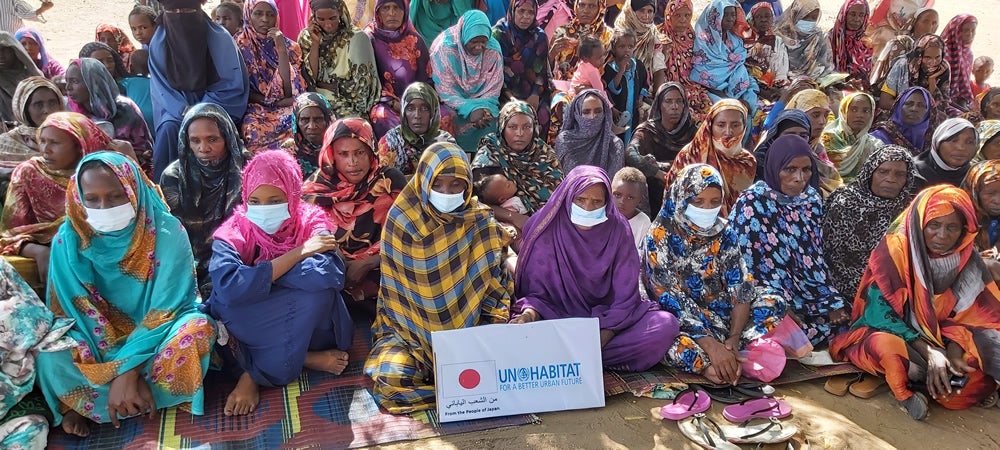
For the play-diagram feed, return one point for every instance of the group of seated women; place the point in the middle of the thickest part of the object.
(417, 186)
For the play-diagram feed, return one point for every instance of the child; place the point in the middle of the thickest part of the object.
(142, 21)
(626, 80)
(230, 16)
(136, 86)
(498, 190)
(626, 190)
(587, 74)
(982, 68)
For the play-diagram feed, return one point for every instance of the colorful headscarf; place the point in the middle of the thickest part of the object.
(104, 92)
(431, 18)
(829, 177)
(960, 58)
(851, 54)
(525, 55)
(401, 54)
(306, 152)
(348, 203)
(333, 47)
(125, 46)
(261, 58)
(987, 129)
(467, 82)
(648, 37)
(583, 141)
(719, 60)
(22, 95)
(35, 35)
(917, 75)
(847, 149)
(569, 36)
(91, 47)
(279, 169)
(681, 49)
(809, 52)
(981, 175)
(90, 137)
(900, 46)
(913, 137)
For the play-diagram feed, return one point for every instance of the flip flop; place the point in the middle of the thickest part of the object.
(868, 387)
(916, 406)
(760, 431)
(839, 384)
(757, 408)
(691, 401)
(698, 430)
(726, 394)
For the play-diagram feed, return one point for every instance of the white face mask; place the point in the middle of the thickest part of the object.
(806, 26)
(111, 219)
(701, 217)
(268, 217)
(584, 218)
(447, 203)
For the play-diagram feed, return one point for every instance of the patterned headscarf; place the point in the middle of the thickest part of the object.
(331, 43)
(681, 41)
(23, 93)
(917, 75)
(895, 48)
(583, 141)
(829, 177)
(850, 53)
(305, 150)
(648, 36)
(103, 90)
(691, 181)
(125, 46)
(981, 175)
(274, 168)
(719, 59)
(846, 148)
(809, 52)
(470, 82)
(959, 56)
(90, 137)
(425, 92)
(987, 129)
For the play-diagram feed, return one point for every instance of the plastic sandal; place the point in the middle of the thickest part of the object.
(697, 430)
(839, 384)
(726, 394)
(691, 401)
(868, 387)
(757, 408)
(770, 431)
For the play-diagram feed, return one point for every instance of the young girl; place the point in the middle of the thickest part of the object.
(142, 21)
(588, 74)
(626, 81)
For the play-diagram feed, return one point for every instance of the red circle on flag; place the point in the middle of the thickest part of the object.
(469, 378)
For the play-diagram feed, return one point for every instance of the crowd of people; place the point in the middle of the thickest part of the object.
(245, 183)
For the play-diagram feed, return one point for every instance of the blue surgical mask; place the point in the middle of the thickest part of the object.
(701, 217)
(447, 203)
(806, 26)
(268, 217)
(584, 218)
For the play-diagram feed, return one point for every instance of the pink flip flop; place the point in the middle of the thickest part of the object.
(687, 403)
(757, 408)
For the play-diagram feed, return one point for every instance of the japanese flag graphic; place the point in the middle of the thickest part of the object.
(465, 379)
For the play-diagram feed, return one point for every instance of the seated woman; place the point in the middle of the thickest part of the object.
(989, 145)
(338, 60)
(928, 310)
(588, 20)
(93, 93)
(895, 18)
(718, 143)
(924, 67)
(767, 57)
(587, 137)
(789, 121)
(719, 54)
(419, 127)
(442, 269)
(356, 192)
(637, 16)
(432, 18)
(273, 63)
(35, 206)
(856, 216)
(816, 105)
(202, 186)
(809, 52)
(900, 46)
(680, 54)
(311, 116)
(851, 54)
(953, 146)
(468, 74)
(15, 65)
(909, 125)
(401, 58)
(277, 278)
(957, 36)
(981, 185)
(846, 139)
(693, 267)
(121, 268)
(34, 99)
(525, 49)
(579, 223)
(34, 43)
(108, 57)
(116, 39)
(518, 152)
(29, 328)
(669, 128)
(778, 220)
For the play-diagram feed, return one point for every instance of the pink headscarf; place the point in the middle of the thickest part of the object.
(279, 169)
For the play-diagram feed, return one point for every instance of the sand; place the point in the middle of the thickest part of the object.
(627, 422)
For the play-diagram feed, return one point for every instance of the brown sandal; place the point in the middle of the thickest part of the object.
(839, 384)
(868, 387)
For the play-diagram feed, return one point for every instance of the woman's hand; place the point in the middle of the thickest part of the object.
(726, 364)
(956, 358)
(315, 32)
(480, 118)
(939, 372)
(278, 38)
(319, 244)
(606, 336)
(527, 316)
(358, 269)
(125, 397)
(839, 316)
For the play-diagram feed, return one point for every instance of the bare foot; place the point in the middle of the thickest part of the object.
(333, 361)
(75, 424)
(244, 397)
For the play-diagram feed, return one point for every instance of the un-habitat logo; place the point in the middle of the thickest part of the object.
(539, 376)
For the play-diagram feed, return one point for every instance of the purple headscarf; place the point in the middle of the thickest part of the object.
(583, 141)
(782, 151)
(395, 67)
(564, 271)
(893, 130)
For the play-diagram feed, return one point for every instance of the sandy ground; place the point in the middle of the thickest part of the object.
(627, 422)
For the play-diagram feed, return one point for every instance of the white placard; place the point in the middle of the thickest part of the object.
(500, 370)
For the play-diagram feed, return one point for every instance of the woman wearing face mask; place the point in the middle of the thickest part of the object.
(953, 146)
(121, 268)
(356, 192)
(718, 308)
(202, 186)
(580, 223)
(924, 66)
(856, 216)
(928, 311)
(778, 220)
(718, 143)
(419, 127)
(982, 183)
(909, 125)
(277, 277)
(816, 105)
(442, 269)
(311, 116)
(846, 139)
(36, 202)
(809, 50)
(587, 137)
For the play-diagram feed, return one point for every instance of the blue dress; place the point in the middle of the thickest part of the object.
(273, 325)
